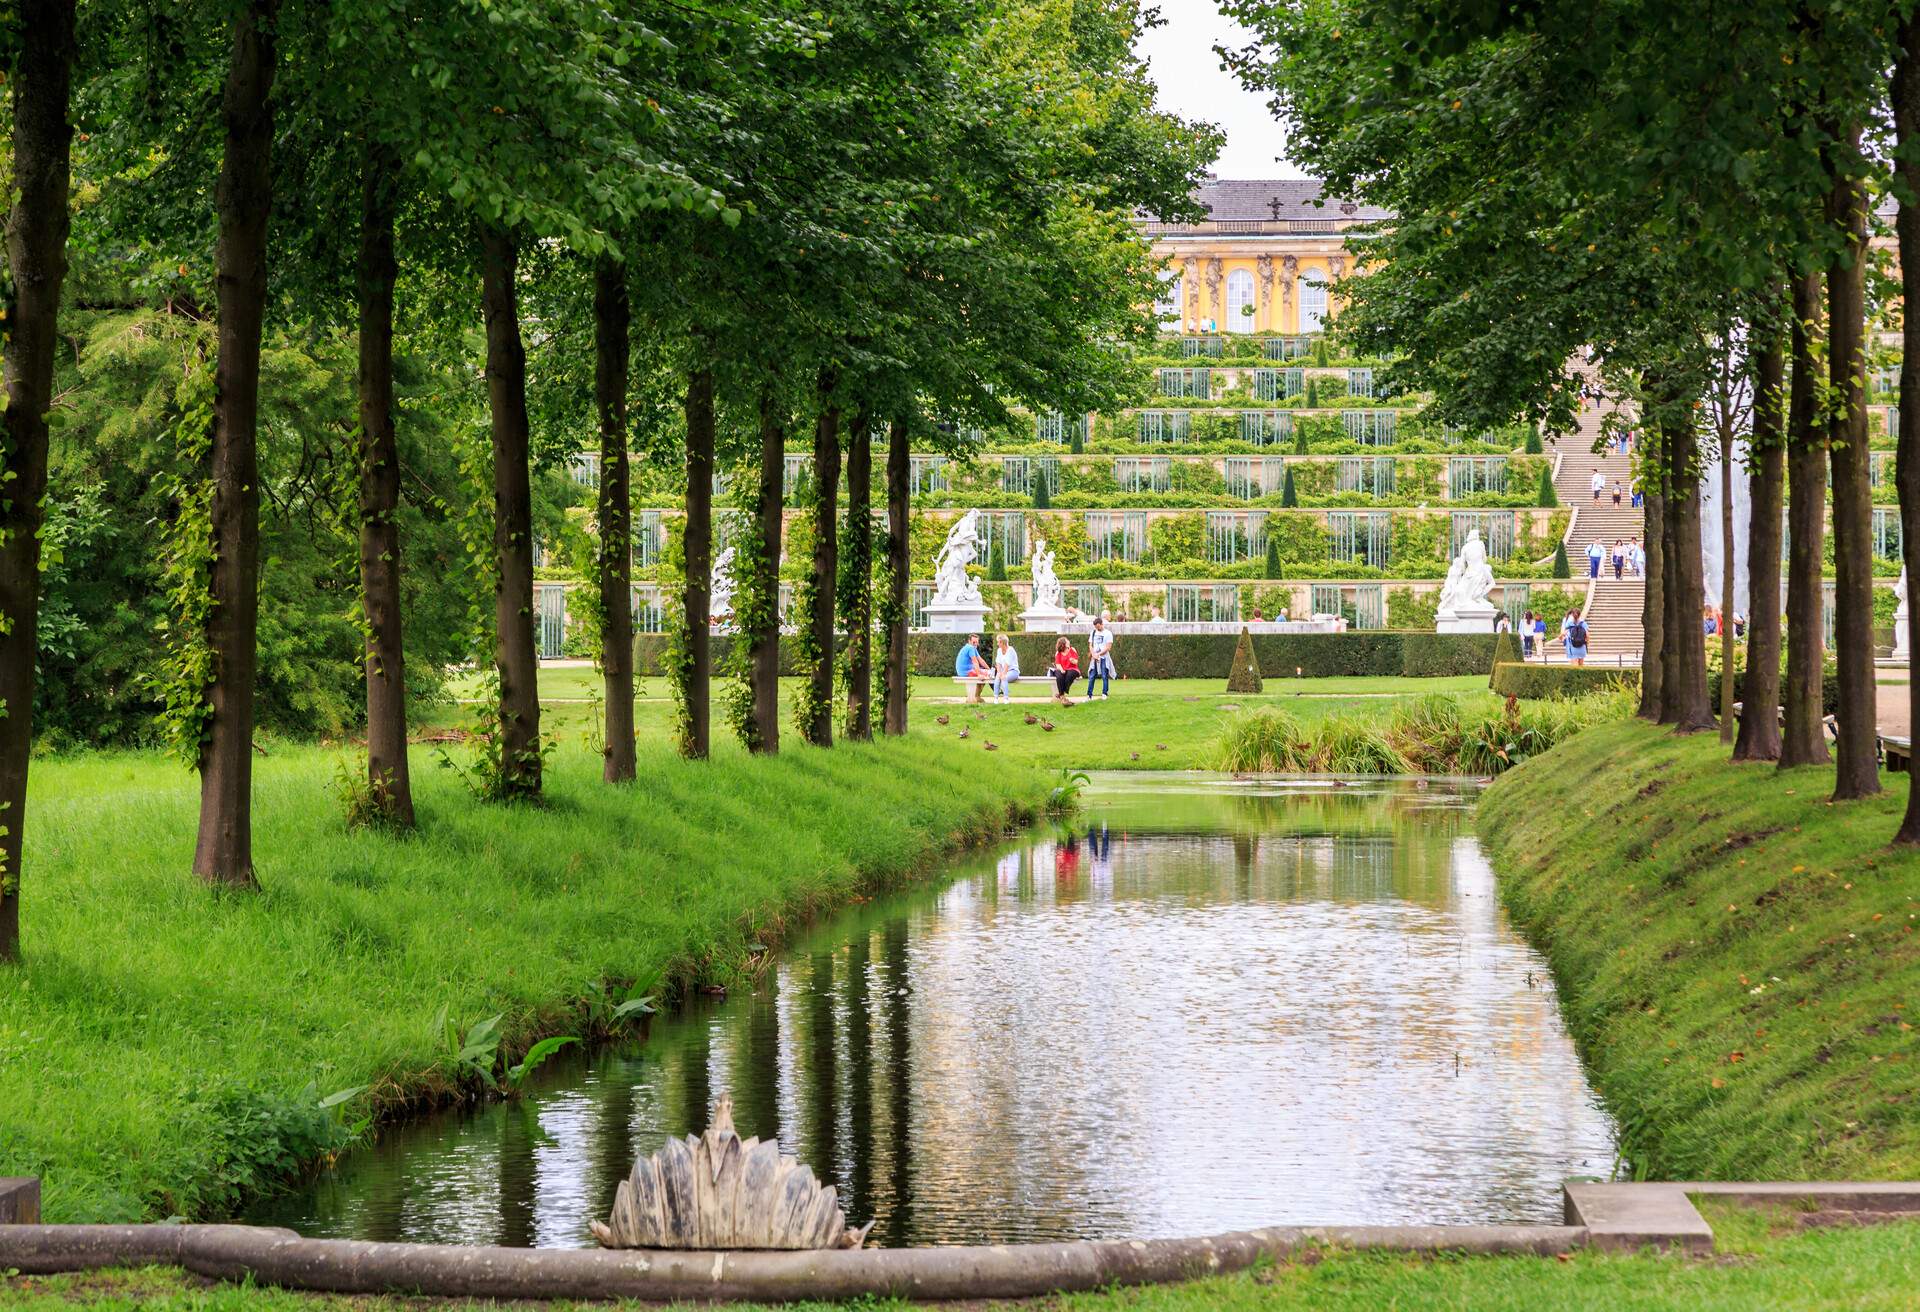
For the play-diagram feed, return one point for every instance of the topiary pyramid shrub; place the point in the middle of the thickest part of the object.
(1075, 444)
(1506, 647)
(1313, 393)
(1299, 440)
(1534, 445)
(1042, 499)
(1288, 497)
(1244, 677)
(1560, 570)
(1547, 496)
(996, 565)
(1274, 570)
(1320, 352)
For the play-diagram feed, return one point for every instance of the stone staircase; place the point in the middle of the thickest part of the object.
(1613, 608)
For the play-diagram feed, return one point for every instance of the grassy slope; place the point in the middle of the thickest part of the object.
(160, 1036)
(1736, 956)
(1767, 1263)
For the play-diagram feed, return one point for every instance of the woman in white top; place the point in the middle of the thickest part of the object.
(1006, 668)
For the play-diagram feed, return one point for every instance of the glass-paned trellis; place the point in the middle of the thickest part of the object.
(584, 468)
(1195, 383)
(1360, 382)
(1287, 348)
(1254, 476)
(1143, 473)
(649, 538)
(1236, 535)
(1116, 535)
(795, 473)
(1202, 348)
(1453, 434)
(729, 527)
(1369, 606)
(1363, 536)
(649, 611)
(1887, 541)
(1278, 384)
(1372, 475)
(1323, 600)
(1017, 473)
(1266, 427)
(1056, 427)
(1087, 598)
(927, 474)
(1203, 603)
(1884, 381)
(1497, 531)
(784, 602)
(1373, 427)
(1829, 608)
(1889, 419)
(919, 597)
(1165, 425)
(1514, 598)
(1007, 530)
(1879, 467)
(1467, 475)
(550, 607)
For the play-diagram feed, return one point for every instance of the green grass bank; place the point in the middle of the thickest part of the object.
(1737, 957)
(165, 1048)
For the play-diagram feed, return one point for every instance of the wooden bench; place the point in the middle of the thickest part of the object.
(1041, 685)
(1897, 752)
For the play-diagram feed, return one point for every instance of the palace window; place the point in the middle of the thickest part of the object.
(1372, 475)
(1143, 473)
(1240, 302)
(1313, 302)
(1116, 535)
(1234, 535)
(1362, 536)
(1497, 531)
(1254, 476)
(1167, 308)
(1278, 384)
(1165, 425)
(1467, 475)
(1372, 427)
(1266, 427)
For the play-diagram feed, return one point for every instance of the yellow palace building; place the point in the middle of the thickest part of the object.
(1268, 258)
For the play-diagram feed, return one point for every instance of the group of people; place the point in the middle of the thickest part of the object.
(1715, 623)
(1064, 669)
(1629, 558)
(1573, 635)
(1619, 491)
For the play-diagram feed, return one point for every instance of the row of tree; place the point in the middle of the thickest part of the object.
(1679, 204)
(697, 230)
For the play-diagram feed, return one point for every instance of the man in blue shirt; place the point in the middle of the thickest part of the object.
(968, 658)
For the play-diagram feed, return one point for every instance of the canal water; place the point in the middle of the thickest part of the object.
(1207, 1005)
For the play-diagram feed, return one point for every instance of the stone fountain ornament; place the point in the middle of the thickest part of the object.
(956, 606)
(1046, 614)
(1464, 607)
(716, 1192)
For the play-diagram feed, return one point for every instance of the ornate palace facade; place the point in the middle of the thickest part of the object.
(1268, 258)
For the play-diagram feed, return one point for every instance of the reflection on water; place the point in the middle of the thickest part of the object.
(1212, 1006)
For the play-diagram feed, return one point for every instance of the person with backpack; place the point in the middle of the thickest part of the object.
(1577, 640)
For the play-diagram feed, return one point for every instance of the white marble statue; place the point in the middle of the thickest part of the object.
(1476, 576)
(1902, 627)
(720, 586)
(1464, 607)
(951, 582)
(1450, 589)
(1046, 584)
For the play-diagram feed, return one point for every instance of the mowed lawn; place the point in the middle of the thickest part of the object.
(1154, 724)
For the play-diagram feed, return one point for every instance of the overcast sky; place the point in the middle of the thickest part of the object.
(1193, 85)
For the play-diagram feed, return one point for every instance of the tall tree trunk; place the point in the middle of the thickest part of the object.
(1653, 610)
(899, 575)
(1803, 740)
(763, 653)
(1688, 706)
(1856, 755)
(1759, 737)
(388, 782)
(816, 725)
(243, 198)
(612, 317)
(515, 654)
(697, 732)
(1727, 580)
(36, 235)
(1906, 122)
(856, 579)
(1670, 592)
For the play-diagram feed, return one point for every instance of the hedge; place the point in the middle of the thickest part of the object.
(1525, 679)
(1829, 689)
(1379, 653)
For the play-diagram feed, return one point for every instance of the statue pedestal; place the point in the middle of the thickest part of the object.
(956, 616)
(1902, 644)
(1467, 619)
(1043, 619)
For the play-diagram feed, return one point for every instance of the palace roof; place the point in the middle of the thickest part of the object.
(1241, 199)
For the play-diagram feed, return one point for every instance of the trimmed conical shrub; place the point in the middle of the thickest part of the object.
(996, 565)
(1547, 496)
(1313, 393)
(1534, 445)
(1506, 651)
(1320, 352)
(1076, 444)
(1244, 678)
(1042, 499)
(1288, 497)
(1560, 570)
(1274, 570)
(1299, 439)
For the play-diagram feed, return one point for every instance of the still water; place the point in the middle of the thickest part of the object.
(1213, 1005)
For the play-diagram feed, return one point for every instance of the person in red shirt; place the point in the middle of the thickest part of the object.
(1065, 669)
